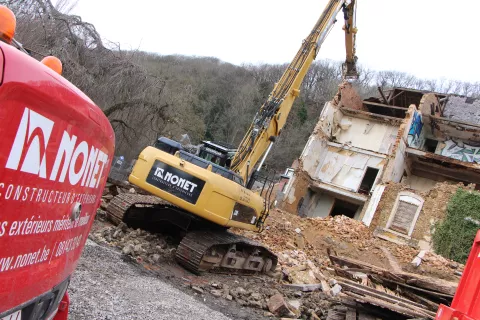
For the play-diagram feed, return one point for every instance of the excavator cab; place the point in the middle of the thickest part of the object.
(219, 153)
(211, 154)
(168, 145)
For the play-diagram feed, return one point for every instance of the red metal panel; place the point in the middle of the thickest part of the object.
(56, 147)
(466, 303)
(2, 65)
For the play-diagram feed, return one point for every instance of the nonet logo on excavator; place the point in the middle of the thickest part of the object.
(29, 153)
(175, 180)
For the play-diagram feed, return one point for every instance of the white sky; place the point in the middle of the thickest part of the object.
(428, 38)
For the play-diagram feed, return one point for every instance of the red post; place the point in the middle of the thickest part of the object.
(62, 313)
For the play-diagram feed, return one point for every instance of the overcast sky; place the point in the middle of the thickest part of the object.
(428, 38)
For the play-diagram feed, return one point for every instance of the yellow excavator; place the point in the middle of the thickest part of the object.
(204, 198)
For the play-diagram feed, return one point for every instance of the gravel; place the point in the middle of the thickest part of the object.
(105, 287)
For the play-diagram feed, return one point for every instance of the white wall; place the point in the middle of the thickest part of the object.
(321, 205)
(313, 154)
(367, 134)
(419, 183)
(346, 168)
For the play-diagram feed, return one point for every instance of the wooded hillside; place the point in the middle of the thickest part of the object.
(146, 95)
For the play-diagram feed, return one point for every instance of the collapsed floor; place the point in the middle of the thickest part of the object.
(329, 268)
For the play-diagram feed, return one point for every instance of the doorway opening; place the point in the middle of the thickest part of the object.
(368, 180)
(344, 208)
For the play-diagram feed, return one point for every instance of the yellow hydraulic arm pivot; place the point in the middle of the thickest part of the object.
(270, 119)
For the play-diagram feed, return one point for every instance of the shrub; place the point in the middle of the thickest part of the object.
(454, 235)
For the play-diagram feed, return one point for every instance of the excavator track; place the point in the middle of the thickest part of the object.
(120, 204)
(201, 250)
(223, 252)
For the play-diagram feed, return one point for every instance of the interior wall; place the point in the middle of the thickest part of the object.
(346, 168)
(419, 183)
(367, 134)
(322, 204)
(313, 154)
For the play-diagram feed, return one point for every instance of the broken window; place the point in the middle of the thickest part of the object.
(405, 213)
(368, 180)
(431, 145)
(344, 208)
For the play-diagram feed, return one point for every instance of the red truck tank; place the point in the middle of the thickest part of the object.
(56, 147)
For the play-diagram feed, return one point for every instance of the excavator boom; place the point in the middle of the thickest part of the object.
(270, 119)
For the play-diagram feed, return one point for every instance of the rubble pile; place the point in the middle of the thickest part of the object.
(272, 299)
(329, 268)
(302, 243)
(141, 245)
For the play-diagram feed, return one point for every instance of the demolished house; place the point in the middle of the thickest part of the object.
(392, 162)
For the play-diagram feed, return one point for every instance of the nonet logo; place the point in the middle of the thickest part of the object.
(79, 161)
(175, 180)
(30, 144)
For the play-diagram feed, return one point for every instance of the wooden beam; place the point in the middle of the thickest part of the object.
(367, 291)
(452, 122)
(408, 311)
(383, 95)
(425, 284)
(384, 105)
(370, 116)
(395, 96)
(430, 292)
(430, 304)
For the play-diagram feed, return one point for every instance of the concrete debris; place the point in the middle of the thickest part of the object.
(149, 248)
(197, 289)
(295, 305)
(418, 259)
(279, 307)
(217, 293)
(336, 289)
(304, 287)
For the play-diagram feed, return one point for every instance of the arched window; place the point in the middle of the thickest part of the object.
(405, 213)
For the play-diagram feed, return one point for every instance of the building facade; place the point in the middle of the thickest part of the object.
(382, 160)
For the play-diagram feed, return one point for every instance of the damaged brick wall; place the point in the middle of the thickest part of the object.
(397, 161)
(433, 210)
(298, 191)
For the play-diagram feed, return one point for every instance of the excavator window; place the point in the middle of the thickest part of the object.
(168, 145)
(203, 163)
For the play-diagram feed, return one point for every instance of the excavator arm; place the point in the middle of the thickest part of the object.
(349, 67)
(270, 119)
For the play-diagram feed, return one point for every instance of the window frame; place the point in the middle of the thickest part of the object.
(395, 208)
